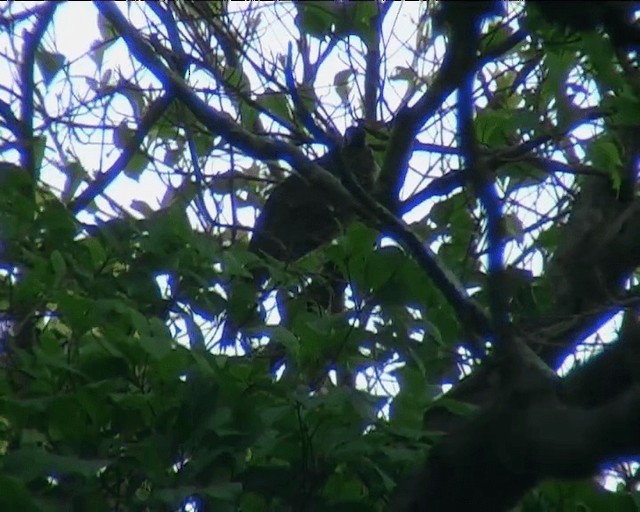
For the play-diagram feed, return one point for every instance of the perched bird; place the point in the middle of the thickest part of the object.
(298, 217)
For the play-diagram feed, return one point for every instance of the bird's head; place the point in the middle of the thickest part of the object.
(358, 157)
(354, 137)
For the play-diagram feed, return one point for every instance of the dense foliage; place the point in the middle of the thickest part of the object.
(134, 163)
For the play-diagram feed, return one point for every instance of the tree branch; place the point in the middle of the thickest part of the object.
(102, 181)
(468, 311)
(31, 44)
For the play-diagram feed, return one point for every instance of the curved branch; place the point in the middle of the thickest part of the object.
(219, 123)
(102, 181)
(263, 148)
(520, 443)
(409, 120)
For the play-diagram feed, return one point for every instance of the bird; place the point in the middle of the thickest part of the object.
(298, 218)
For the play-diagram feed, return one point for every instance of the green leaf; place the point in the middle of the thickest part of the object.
(342, 487)
(602, 59)
(39, 146)
(59, 266)
(32, 463)
(284, 336)
(14, 495)
(321, 19)
(604, 154)
(315, 18)
(75, 174)
(224, 491)
(342, 83)
(98, 49)
(248, 114)
(492, 127)
(122, 135)
(136, 165)
(107, 30)
(50, 64)
(523, 174)
(404, 73)
(577, 497)
(625, 108)
(276, 103)
(135, 97)
(513, 227)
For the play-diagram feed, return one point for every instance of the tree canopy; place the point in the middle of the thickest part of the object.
(453, 188)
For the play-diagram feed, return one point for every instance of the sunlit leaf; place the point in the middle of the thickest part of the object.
(50, 64)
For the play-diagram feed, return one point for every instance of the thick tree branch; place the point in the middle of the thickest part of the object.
(610, 373)
(409, 120)
(264, 148)
(495, 158)
(405, 129)
(464, 45)
(219, 123)
(27, 88)
(520, 441)
(372, 80)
